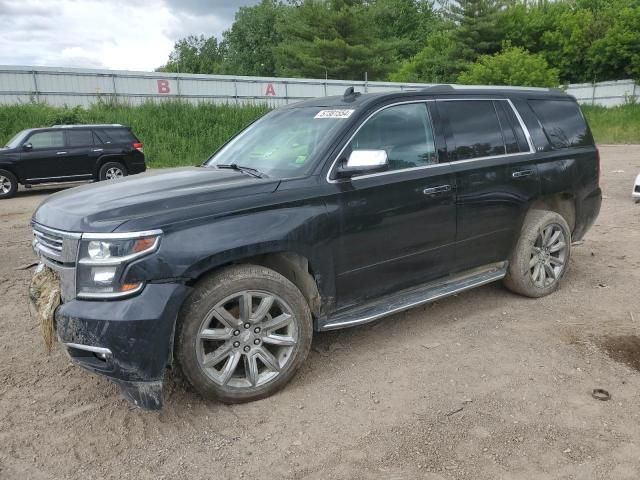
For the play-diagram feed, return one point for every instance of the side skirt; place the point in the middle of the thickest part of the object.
(414, 297)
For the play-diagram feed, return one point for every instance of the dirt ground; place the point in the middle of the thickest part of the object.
(484, 385)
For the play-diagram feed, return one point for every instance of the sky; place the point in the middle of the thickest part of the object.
(113, 34)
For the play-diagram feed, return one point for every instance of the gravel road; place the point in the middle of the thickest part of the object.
(483, 385)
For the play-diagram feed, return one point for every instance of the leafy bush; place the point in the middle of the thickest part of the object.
(512, 66)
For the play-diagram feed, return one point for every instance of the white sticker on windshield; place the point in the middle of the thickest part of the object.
(334, 114)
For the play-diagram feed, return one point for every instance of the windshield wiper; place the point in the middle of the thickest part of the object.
(234, 166)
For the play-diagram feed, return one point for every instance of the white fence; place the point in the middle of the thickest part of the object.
(71, 86)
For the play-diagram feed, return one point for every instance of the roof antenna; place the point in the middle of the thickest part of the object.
(350, 94)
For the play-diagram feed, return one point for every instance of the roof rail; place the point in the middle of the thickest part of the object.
(444, 87)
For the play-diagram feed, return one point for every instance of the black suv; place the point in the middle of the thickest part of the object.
(69, 153)
(321, 215)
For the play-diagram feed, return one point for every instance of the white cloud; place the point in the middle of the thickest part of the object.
(116, 34)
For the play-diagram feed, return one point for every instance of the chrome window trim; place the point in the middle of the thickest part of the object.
(490, 157)
(121, 236)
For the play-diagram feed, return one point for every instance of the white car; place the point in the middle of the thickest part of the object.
(636, 189)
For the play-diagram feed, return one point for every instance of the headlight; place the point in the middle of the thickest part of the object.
(102, 259)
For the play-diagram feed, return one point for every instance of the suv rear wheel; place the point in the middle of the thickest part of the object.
(541, 257)
(8, 184)
(242, 334)
(112, 171)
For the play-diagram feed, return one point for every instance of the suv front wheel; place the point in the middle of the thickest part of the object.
(242, 334)
(541, 257)
(8, 184)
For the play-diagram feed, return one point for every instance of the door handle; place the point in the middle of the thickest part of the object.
(439, 189)
(97, 149)
(61, 153)
(521, 173)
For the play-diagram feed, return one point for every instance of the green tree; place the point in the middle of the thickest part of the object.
(512, 66)
(438, 62)
(333, 38)
(476, 22)
(406, 21)
(195, 54)
(250, 42)
(616, 55)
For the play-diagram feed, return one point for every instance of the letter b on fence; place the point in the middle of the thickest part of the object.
(163, 87)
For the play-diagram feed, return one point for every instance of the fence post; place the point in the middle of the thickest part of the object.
(286, 92)
(593, 93)
(35, 86)
(235, 91)
(634, 91)
(115, 91)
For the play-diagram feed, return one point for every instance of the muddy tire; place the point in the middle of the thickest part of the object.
(112, 171)
(242, 334)
(8, 184)
(541, 257)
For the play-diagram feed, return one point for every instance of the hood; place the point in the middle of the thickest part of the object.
(149, 201)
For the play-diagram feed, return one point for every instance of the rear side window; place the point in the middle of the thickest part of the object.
(562, 122)
(404, 132)
(53, 139)
(115, 135)
(80, 138)
(475, 128)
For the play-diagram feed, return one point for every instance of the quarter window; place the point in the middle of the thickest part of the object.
(475, 128)
(80, 138)
(404, 132)
(47, 140)
(562, 122)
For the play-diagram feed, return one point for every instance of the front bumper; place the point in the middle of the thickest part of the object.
(127, 340)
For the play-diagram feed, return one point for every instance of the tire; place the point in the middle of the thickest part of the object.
(8, 184)
(541, 256)
(112, 171)
(229, 363)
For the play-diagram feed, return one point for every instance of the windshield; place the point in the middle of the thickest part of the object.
(16, 140)
(283, 143)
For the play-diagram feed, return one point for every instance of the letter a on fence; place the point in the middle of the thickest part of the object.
(270, 90)
(163, 87)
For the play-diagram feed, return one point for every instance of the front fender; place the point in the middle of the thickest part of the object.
(190, 252)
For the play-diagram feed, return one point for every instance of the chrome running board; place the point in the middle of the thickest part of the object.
(414, 297)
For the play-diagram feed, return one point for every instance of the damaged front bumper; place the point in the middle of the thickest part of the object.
(127, 340)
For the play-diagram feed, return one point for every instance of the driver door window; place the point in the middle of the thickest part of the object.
(404, 131)
(44, 140)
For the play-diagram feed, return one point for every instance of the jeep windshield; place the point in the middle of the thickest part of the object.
(283, 143)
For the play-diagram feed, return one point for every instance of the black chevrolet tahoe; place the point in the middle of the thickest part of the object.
(321, 215)
(69, 153)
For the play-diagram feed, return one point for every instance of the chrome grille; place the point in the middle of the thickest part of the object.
(58, 250)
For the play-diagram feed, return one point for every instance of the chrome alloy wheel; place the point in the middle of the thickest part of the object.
(5, 185)
(548, 256)
(113, 173)
(246, 339)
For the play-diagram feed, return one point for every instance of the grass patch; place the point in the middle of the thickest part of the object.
(614, 125)
(173, 133)
(176, 133)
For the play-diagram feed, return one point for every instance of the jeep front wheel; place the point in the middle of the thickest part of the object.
(541, 257)
(242, 334)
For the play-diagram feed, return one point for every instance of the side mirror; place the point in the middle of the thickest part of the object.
(27, 147)
(363, 161)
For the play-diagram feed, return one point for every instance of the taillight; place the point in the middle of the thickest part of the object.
(138, 146)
